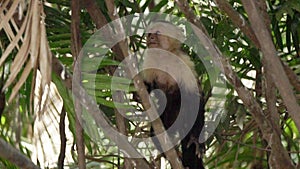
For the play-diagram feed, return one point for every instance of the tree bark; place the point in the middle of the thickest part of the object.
(14, 156)
(245, 95)
(269, 52)
(75, 49)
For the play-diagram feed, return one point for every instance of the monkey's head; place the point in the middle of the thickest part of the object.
(164, 35)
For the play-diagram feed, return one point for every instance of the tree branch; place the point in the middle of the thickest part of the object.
(75, 49)
(294, 79)
(14, 156)
(271, 113)
(269, 52)
(245, 95)
(121, 49)
(63, 139)
(238, 20)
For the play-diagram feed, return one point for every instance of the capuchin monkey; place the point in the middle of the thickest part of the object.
(170, 76)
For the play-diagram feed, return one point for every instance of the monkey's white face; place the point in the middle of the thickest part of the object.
(164, 36)
(157, 40)
(167, 65)
(152, 40)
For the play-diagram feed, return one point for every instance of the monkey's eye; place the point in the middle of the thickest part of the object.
(154, 33)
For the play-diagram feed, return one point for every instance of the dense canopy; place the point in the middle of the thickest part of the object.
(246, 55)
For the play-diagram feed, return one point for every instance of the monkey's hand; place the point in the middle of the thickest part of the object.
(199, 147)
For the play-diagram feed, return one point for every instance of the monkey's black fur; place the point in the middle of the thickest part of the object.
(189, 144)
(168, 68)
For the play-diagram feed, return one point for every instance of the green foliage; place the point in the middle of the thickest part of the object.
(286, 26)
(237, 141)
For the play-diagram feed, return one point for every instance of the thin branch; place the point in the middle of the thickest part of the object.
(238, 20)
(100, 21)
(63, 139)
(274, 119)
(245, 95)
(273, 64)
(75, 49)
(99, 160)
(14, 156)
(151, 5)
(2, 94)
(221, 61)
(119, 96)
(121, 50)
(121, 124)
(75, 29)
(271, 112)
(157, 124)
(189, 14)
(269, 52)
(294, 79)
